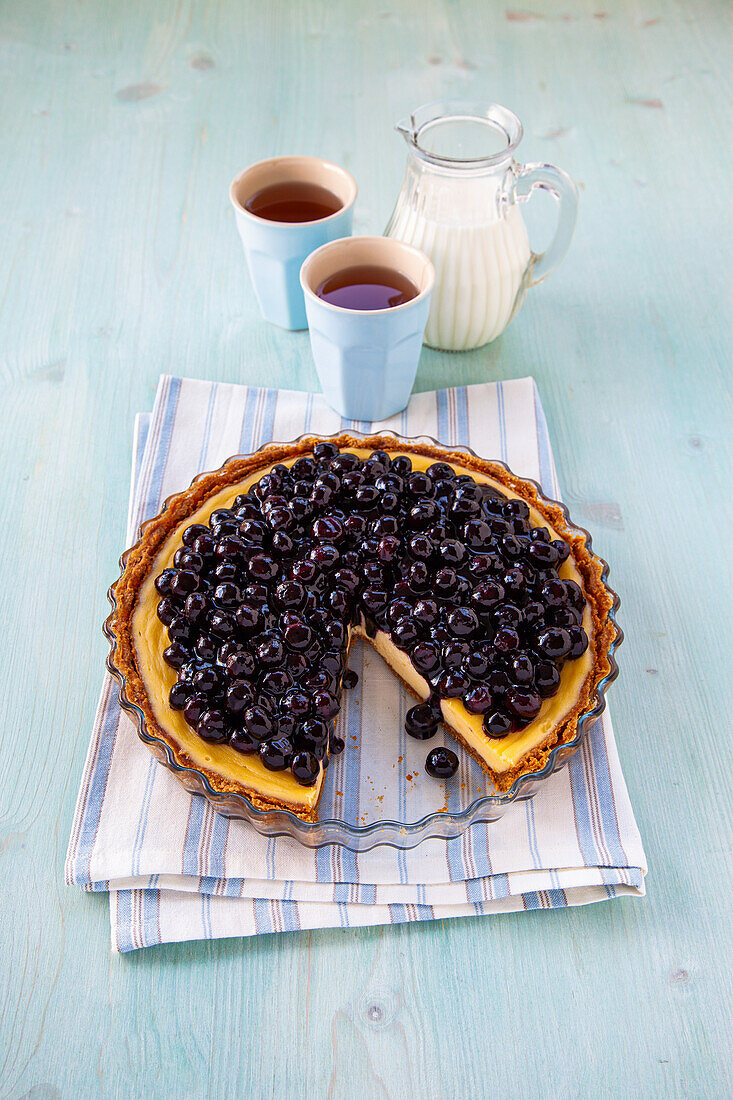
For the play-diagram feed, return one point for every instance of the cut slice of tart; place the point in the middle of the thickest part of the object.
(234, 613)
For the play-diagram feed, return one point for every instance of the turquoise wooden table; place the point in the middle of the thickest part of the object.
(122, 124)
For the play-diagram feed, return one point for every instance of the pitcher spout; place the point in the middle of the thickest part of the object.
(407, 128)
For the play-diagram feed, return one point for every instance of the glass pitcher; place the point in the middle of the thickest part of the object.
(460, 203)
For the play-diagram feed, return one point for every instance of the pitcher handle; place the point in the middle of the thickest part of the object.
(560, 185)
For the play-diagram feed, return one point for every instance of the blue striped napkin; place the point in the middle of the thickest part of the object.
(176, 870)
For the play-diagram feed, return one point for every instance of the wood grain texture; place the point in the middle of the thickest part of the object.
(122, 124)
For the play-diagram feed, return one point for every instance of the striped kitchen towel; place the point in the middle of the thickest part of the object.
(177, 870)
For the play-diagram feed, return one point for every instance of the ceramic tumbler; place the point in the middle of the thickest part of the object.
(367, 359)
(276, 250)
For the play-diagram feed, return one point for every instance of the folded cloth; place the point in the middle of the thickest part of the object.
(177, 870)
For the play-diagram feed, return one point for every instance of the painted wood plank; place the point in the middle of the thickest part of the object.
(122, 125)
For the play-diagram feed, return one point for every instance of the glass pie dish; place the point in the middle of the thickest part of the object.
(377, 794)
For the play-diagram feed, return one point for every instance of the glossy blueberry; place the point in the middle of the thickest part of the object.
(325, 705)
(452, 552)
(445, 582)
(183, 583)
(239, 696)
(554, 593)
(324, 451)
(244, 742)
(226, 595)
(497, 724)
(221, 624)
(475, 664)
(350, 679)
(297, 702)
(563, 551)
(230, 546)
(425, 657)
(306, 768)
(533, 613)
(339, 601)
(578, 642)
(388, 549)
(418, 576)
(477, 535)
(462, 621)
(523, 702)
(478, 700)
(176, 654)
(196, 607)
(313, 734)
(421, 547)
(487, 595)
(405, 633)
(441, 763)
(297, 635)
(276, 682)
(554, 643)
(290, 594)
(225, 571)
(178, 695)
(194, 708)
(522, 669)
(206, 679)
(324, 556)
(506, 639)
(248, 619)
(206, 647)
(270, 648)
(163, 582)
(257, 722)
(212, 725)
(180, 630)
(453, 684)
(186, 558)
(318, 680)
(262, 567)
(507, 614)
(399, 609)
(546, 678)
(421, 722)
(426, 612)
(276, 754)
(328, 529)
(440, 471)
(193, 532)
(347, 579)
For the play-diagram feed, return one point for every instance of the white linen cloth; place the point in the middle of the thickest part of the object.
(177, 870)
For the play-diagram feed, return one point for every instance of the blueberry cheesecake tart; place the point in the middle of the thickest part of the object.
(235, 611)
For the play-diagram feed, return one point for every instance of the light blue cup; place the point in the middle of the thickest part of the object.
(367, 359)
(276, 250)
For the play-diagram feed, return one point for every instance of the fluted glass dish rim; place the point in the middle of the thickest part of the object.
(443, 824)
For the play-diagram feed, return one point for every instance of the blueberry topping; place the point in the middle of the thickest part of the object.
(258, 603)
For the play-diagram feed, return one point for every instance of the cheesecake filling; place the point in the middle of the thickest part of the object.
(240, 770)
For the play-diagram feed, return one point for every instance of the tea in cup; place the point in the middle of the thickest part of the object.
(367, 300)
(285, 208)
